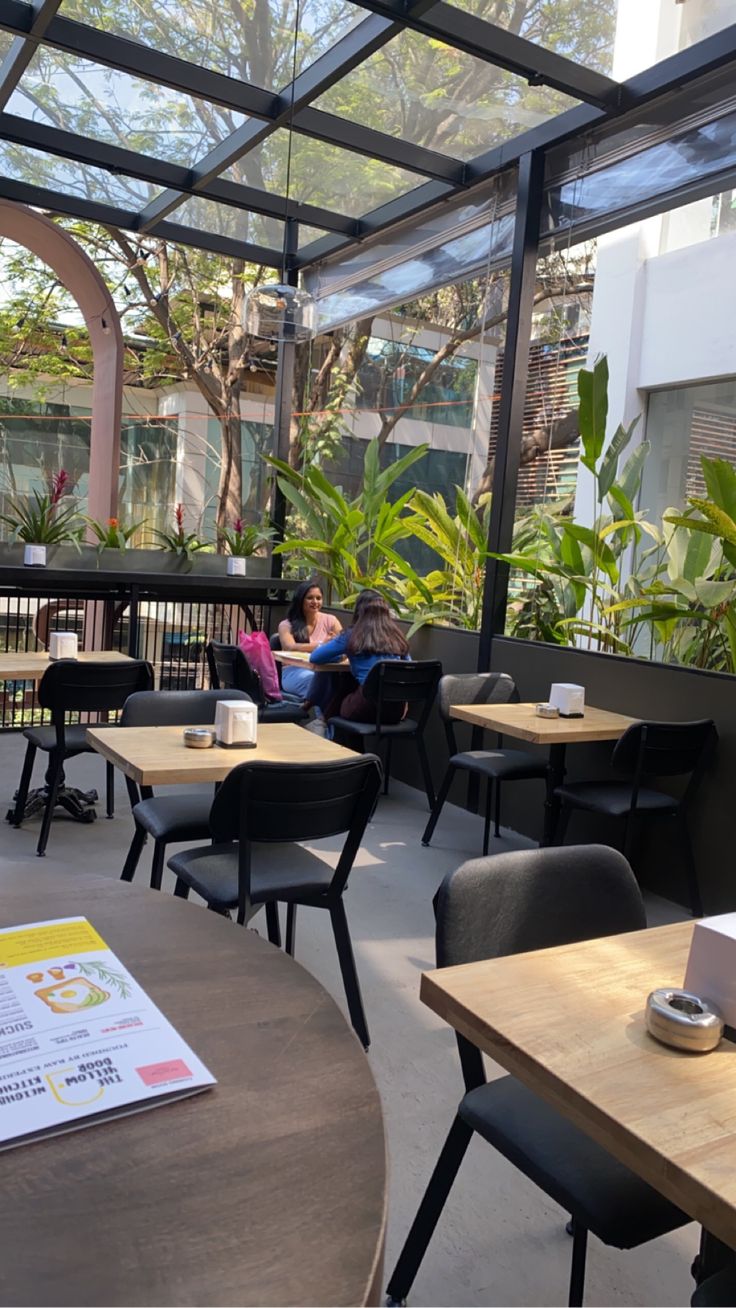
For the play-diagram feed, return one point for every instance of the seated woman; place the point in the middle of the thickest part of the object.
(304, 628)
(374, 636)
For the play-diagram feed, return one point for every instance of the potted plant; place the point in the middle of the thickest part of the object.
(48, 519)
(113, 534)
(242, 541)
(179, 542)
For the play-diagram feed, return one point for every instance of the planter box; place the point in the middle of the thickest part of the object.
(156, 562)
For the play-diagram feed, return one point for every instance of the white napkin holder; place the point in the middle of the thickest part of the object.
(568, 699)
(236, 724)
(63, 645)
(711, 966)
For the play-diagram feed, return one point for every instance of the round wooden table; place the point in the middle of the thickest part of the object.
(268, 1189)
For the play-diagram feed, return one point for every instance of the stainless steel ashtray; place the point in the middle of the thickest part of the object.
(683, 1020)
(546, 711)
(199, 737)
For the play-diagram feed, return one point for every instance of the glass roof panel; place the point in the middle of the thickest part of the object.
(321, 174)
(440, 98)
(72, 178)
(106, 105)
(6, 40)
(225, 220)
(253, 42)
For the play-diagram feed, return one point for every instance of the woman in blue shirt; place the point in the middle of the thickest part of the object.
(373, 637)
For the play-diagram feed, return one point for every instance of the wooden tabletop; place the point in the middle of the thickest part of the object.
(569, 1022)
(268, 1189)
(31, 667)
(295, 658)
(521, 720)
(157, 756)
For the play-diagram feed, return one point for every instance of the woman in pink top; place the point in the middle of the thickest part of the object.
(304, 628)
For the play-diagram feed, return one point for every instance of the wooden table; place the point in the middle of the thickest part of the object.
(268, 1189)
(157, 756)
(31, 667)
(521, 721)
(295, 658)
(569, 1022)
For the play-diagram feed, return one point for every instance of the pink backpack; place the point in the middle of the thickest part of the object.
(257, 650)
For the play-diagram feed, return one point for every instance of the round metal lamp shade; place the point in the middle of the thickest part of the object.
(279, 313)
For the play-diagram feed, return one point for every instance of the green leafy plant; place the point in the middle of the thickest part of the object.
(113, 534)
(461, 542)
(48, 519)
(350, 542)
(242, 540)
(179, 542)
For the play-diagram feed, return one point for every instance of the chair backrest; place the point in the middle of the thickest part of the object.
(664, 749)
(531, 899)
(472, 688)
(229, 669)
(275, 641)
(174, 708)
(395, 681)
(70, 686)
(278, 803)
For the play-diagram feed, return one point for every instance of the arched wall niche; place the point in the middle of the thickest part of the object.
(76, 271)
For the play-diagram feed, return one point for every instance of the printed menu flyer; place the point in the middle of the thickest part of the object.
(79, 1040)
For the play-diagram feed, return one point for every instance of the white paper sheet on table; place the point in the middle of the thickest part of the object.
(79, 1039)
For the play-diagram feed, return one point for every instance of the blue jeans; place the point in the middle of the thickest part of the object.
(298, 681)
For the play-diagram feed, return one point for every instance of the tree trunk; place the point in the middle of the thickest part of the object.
(230, 488)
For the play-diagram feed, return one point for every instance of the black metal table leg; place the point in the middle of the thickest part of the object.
(79, 804)
(555, 778)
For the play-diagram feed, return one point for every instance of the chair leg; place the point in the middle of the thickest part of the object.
(563, 818)
(273, 926)
(444, 791)
(56, 769)
(349, 973)
(25, 784)
(497, 812)
(157, 864)
(134, 853)
(387, 765)
(696, 903)
(426, 771)
(487, 818)
(290, 928)
(577, 1269)
(429, 1211)
(181, 889)
(110, 789)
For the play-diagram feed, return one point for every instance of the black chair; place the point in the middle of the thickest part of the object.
(177, 817)
(508, 904)
(396, 681)
(275, 805)
(230, 670)
(648, 749)
(496, 765)
(718, 1291)
(69, 686)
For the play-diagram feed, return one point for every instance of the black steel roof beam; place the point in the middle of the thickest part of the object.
(484, 40)
(378, 145)
(101, 154)
(345, 55)
(22, 48)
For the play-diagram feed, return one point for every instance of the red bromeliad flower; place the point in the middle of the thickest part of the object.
(238, 526)
(59, 484)
(112, 522)
(179, 516)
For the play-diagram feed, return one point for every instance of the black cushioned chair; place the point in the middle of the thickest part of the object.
(260, 813)
(69, 686)
(230, 670)
(496, 765)
(395, 681)
(508, 904)
(648, 749)
(174, 817)
(718, 1291)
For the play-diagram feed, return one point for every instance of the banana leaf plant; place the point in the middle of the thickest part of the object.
(460, 541)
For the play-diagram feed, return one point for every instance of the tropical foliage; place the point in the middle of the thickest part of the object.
(51, 518)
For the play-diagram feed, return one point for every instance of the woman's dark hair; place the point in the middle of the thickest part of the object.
(295, 616)
(374, 630)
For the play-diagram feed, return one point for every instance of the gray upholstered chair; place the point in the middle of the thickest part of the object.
(171, 817)
(508, 904)
(496, 765)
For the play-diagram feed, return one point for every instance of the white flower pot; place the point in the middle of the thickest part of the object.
(235, 566)
(34, 556)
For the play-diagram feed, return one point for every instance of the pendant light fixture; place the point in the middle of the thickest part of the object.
(276, 311)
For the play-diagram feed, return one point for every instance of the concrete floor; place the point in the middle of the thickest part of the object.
(499, 1240)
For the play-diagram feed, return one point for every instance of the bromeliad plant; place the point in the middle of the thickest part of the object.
(48, 519)
(113, 534)
(243, 540)
(180, 542)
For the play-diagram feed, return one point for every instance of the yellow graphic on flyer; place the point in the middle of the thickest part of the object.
(33, 944)
(71, 1088)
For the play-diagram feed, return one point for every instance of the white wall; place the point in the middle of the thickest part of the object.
(689, 315)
